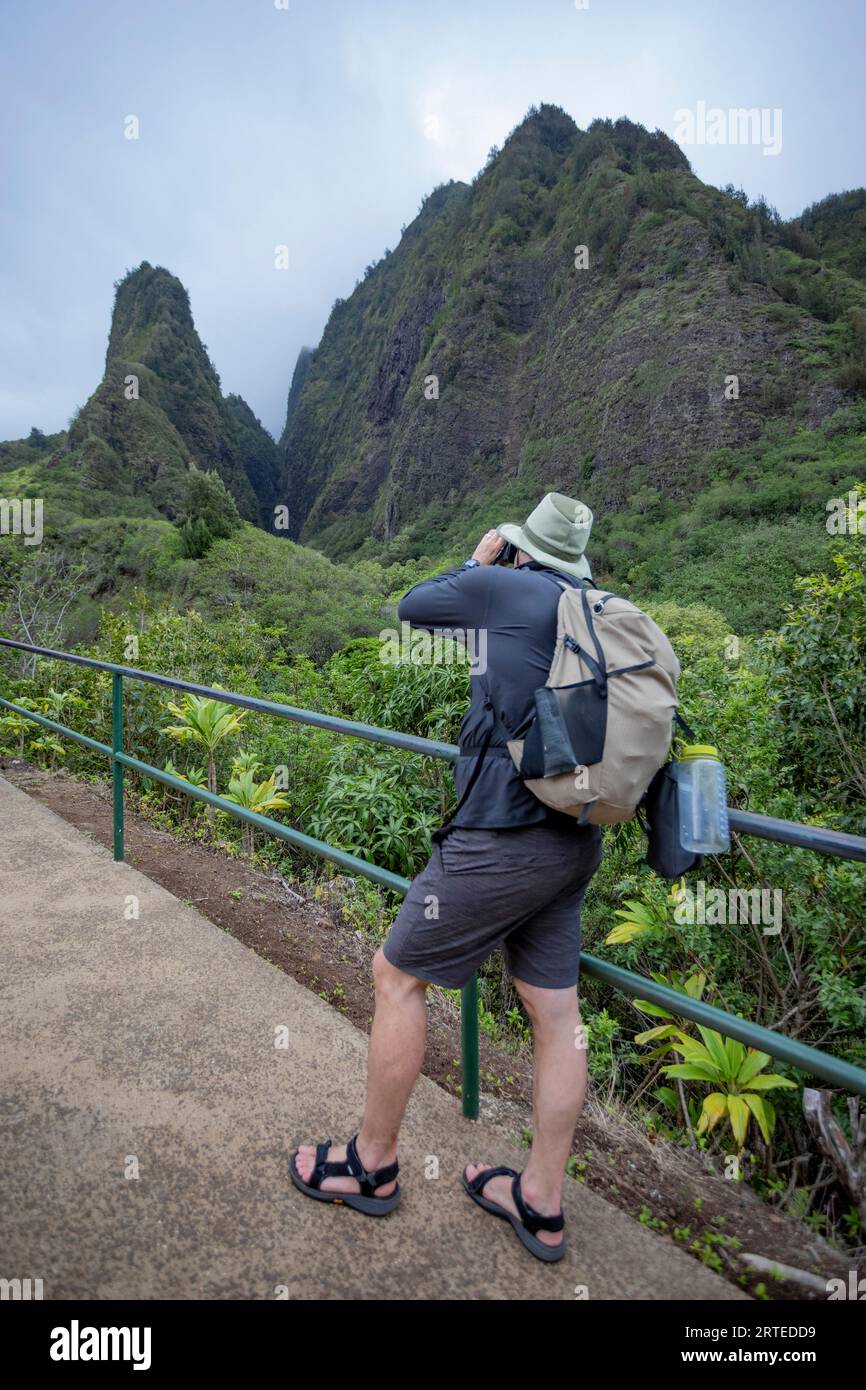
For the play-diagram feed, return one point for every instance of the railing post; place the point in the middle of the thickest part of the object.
(117, 768)
(469, 1047)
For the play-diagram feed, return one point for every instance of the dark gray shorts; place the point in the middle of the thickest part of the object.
(519, 889)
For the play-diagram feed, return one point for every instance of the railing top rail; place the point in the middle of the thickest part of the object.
(812, 837)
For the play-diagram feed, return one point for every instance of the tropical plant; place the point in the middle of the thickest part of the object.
(737, 1074)
(55, 704)
(246, 761)
(262, 797)
(196, 776)
(49, 744)
(639, 919)
(19, 727)
(207, 722)
(735, 1070)
(693, 986)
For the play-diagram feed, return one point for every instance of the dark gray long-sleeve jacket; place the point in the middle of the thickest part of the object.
(513, 612)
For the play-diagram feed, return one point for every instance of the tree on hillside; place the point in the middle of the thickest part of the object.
(209, 513)
(820, 681)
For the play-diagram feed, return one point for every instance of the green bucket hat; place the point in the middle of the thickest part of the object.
(555, 534)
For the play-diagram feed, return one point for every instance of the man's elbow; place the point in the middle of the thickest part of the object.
(409, 610)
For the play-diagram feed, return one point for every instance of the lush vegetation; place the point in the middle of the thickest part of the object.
(769, 500)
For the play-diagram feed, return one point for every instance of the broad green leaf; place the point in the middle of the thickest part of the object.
(668, 1097)
(755, 1062)
(759, 1110)
(637, 912)
(664, 1030)
(655, 1010)
(715, 1046)
(690, 1071)
(620, 936)
(654, 1055)
(735, 1053)
(694, 985)
(771, 1082)
(714, 1108)
(739, 1113)
(693, 1051)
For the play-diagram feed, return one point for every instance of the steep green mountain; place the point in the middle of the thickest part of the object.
(837, 226)
(259, 456)
(299, 376)
(487, 350)
(141, 496)
(585, 316)
(160, 408)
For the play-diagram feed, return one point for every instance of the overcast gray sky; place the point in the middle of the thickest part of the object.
(320, 125)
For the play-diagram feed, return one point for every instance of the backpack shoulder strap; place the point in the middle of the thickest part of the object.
(686, 728)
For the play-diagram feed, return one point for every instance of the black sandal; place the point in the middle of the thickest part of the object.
(527, 1222)
(350, 1167)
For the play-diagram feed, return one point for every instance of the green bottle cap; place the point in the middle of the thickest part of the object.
(699, 750)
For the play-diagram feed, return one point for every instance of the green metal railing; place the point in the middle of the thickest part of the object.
(808, 1059)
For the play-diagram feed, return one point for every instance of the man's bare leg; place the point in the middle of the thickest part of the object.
(558, 1090)
(394, 1060)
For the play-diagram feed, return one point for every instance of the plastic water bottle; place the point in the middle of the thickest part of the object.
(703, 800)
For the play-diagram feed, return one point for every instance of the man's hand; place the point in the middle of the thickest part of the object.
(488, 548)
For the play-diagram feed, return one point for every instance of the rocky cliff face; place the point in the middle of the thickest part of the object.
(159, 407)
(299, 376)
(586, 308)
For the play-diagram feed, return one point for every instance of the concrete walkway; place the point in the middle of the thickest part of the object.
(146, 1116)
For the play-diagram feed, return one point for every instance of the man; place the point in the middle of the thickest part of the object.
(506, 872)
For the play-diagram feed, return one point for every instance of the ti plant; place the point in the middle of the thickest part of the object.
(693, 986)
(19, 727)
(246, 761)
(49, 745)
(737, 1076)
(206, 722)
(639, 919)
(735, 1072)
(254, 796)
(196, 775)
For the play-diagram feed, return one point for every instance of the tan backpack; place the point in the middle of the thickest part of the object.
(602, 723)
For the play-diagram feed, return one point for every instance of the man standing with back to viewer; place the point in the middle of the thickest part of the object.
(506, 872)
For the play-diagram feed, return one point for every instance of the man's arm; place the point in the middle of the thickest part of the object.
(457, 599)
